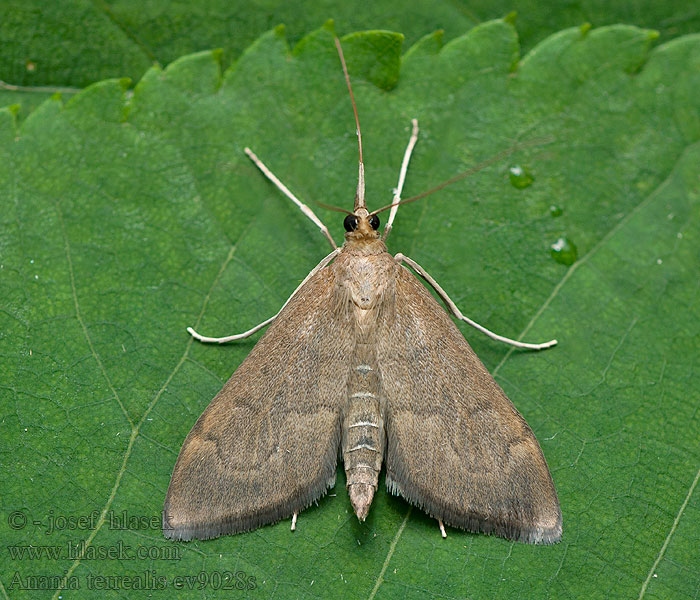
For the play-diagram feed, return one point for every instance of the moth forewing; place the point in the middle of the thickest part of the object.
(363, 359)
(456, 446)
(267, 444)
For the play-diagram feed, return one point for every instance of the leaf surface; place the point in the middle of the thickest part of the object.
(125, 219)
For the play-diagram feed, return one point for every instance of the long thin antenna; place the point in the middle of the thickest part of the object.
(360, 196)
(464, 174)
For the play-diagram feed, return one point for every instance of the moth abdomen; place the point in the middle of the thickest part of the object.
(364, 437)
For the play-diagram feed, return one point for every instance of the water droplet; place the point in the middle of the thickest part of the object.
(556, 211)
(564, 251)
(520, 177)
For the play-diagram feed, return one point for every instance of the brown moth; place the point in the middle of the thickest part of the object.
(363, 359)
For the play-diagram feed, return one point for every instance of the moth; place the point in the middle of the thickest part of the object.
(362, 361)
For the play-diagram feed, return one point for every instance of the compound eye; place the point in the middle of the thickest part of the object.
(350, 223)
(374, 222)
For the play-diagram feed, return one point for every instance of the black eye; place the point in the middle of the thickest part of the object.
(374, 222)
(350, 223)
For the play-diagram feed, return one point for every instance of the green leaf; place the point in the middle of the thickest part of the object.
(74, 43)
(127, 218)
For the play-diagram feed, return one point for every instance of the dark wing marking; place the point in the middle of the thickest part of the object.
(456, 446)
(267, 444)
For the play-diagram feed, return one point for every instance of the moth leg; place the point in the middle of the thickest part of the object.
(245, 334)
(283, 188)
(402, 178)
(442, 528)
(294, 521)
(456, 312)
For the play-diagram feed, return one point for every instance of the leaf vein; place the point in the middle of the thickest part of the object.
(109, 13)
(661, 553)
(392, 548)
(136, 429)
(81, 321)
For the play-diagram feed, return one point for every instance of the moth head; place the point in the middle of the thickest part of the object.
(361, 225)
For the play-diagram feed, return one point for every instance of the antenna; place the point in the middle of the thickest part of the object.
(464, 174)
(360, 195)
